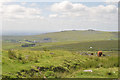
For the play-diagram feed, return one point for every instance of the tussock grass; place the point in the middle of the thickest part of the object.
(59, 64)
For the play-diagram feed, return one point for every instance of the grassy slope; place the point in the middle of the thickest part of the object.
(105, 45)
(72, 64)
(69, 36)
(66, 41)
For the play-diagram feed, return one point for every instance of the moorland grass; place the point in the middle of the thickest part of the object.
(59, 64)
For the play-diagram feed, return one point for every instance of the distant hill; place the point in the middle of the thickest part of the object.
(74, 35)
(104, 45)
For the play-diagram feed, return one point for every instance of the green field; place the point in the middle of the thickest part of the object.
(60, 64)
(67, 36)
(104, 45)
(63, 54)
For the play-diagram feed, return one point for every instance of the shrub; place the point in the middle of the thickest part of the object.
(36, 60)
(45, 49)
(49, 74)
(20, 56)
(11, 54)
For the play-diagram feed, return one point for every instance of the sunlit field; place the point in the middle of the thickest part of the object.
(60, 58)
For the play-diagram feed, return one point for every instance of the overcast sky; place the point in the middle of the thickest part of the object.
(57, 16)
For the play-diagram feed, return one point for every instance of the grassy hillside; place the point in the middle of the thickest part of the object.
(63, 54)
(66, 36)
(79, 35)
(61, 39)
(105, 45)
(58, 64)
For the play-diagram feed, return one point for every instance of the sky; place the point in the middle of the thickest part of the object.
(58, 16)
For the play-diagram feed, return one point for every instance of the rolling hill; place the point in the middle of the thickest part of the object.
(64, 54)
(63, 36)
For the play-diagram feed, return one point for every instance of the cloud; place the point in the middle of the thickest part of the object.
(20, 12)
(63, 6)
(53, 15)
(67, 6)
(81, 16)
(69, 9)
(23, 3)
(7, 0)
(110, 1)
(33, 5)
(1, 10)
(59, 16)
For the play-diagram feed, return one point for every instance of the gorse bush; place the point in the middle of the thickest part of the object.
(20, 56)
(50, 74)
(23, 57)
(11, 54)
(45, 49)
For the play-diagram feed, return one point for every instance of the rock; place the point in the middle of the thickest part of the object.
(104, 55)
(51, 53)
(89, 54)
(88, 71)
(86, 53)
(91, 47)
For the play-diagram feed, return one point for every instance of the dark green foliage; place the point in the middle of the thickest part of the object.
(45, 49)
(28, 45)
(49, 74)
(20, 56)
(60, 69)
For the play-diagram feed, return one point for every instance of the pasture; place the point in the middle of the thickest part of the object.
(66, 56)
